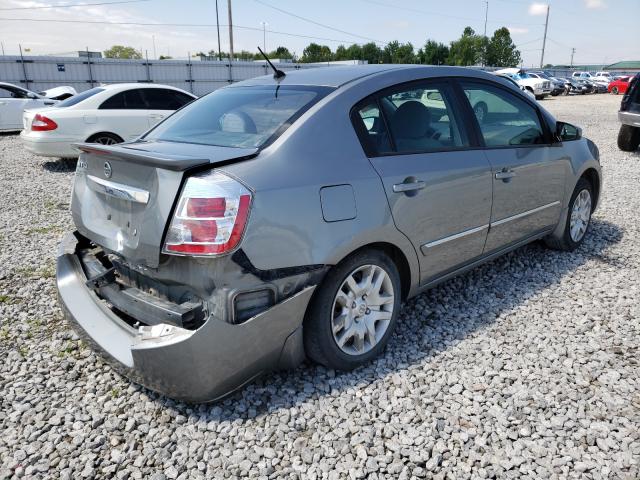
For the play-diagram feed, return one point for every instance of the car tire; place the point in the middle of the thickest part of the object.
(105, 138)
(614, 90)
(578, 219)
(628, 138)
(480, 110)
(338, 312)
(539, 97)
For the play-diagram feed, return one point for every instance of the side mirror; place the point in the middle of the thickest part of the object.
(433, 95)
(566, 132)
(32, 96)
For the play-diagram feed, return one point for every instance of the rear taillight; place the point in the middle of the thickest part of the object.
(42, 124)
(210, 217)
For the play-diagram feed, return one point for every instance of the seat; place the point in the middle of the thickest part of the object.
(411, 128)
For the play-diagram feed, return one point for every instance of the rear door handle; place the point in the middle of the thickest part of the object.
(409, 186)
(505, 175)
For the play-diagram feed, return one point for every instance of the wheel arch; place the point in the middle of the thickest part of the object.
(96, 134)
(592, 176)
(397, 256)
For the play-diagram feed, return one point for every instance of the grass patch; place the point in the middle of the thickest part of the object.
(45, 230)
(5, 299)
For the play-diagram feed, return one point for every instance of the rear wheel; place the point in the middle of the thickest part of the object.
(578, 218)
(539, 97)
(614, 90)
(628, 138)
(353, 312)
(105, 138)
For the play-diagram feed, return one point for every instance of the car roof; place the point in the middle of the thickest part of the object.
(127, 86)
(336, 76)
(5, 84)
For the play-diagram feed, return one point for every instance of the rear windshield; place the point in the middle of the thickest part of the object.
(238, 116)
(79, 97)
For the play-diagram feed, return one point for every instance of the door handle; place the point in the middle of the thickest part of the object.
(409, 186)
(505, 175)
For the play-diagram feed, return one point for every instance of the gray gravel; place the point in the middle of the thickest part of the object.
(524, 367)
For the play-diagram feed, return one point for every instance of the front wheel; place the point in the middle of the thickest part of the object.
(354, 311)
(578, 218)
(614, 90)
(628, 138)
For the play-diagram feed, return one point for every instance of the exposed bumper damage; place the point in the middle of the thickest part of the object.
(195, 365)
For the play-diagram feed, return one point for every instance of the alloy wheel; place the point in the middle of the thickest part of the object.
(106, 140)
(580, 215)
(362, 309)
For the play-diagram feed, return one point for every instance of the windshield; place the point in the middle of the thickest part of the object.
(79, 97)
(523, 76)
(238, 116)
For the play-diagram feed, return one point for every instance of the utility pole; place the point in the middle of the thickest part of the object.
(218, 27)
(153, 38)
(486, 44)
(264, 36)
(230, 32)
(544, 39)
(2, 48)
(573, 51)
(486, 15)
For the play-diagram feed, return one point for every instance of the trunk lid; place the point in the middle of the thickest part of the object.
(123, 195)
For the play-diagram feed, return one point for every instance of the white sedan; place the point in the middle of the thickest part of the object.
(13, 101)
(107, 114)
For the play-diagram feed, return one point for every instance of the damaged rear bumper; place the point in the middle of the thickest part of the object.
(190, 365)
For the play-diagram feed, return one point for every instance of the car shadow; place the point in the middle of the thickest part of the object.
(61, 165)
(427, 327)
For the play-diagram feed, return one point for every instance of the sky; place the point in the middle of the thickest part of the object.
(601, 31)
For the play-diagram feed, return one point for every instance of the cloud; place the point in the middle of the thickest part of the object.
(540, 8)
(595, 4)
(517, 30)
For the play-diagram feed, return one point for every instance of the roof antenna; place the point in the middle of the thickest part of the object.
(277, 74)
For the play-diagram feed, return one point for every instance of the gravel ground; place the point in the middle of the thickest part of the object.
(524, 367)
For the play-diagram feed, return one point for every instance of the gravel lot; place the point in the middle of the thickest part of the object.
(524, 367)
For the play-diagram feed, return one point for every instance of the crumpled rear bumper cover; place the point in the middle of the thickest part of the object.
(191, 365)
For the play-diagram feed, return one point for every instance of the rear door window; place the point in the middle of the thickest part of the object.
(419, 118)
(164, 99)
(127, 100)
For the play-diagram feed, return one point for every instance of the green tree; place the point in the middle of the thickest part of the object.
(433, 53)
(501, 51)
(468, 49)
(120, 51)
(371, 53)
(316, 53)
(280, 52)
(341, 53)
(396, 52)
(165, 57)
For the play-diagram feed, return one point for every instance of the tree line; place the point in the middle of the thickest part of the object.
(470, 49)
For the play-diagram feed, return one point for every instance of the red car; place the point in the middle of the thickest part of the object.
(619, 86)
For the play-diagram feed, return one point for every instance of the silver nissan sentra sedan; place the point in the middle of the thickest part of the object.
(287, 217)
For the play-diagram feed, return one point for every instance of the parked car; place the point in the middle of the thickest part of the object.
(575, 87)
(619, 85)
(108, 114)
(589, 87)
(282, 217)
(540, 88)
(629, 116)
(603, 76)
(557, 86)
(517, 85)
(14, 100)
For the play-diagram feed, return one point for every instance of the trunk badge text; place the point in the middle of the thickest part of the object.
(107, 169)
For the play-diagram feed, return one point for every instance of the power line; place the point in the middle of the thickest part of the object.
(317, 23)
(73, 5)
(144, 24)
(456, 17)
